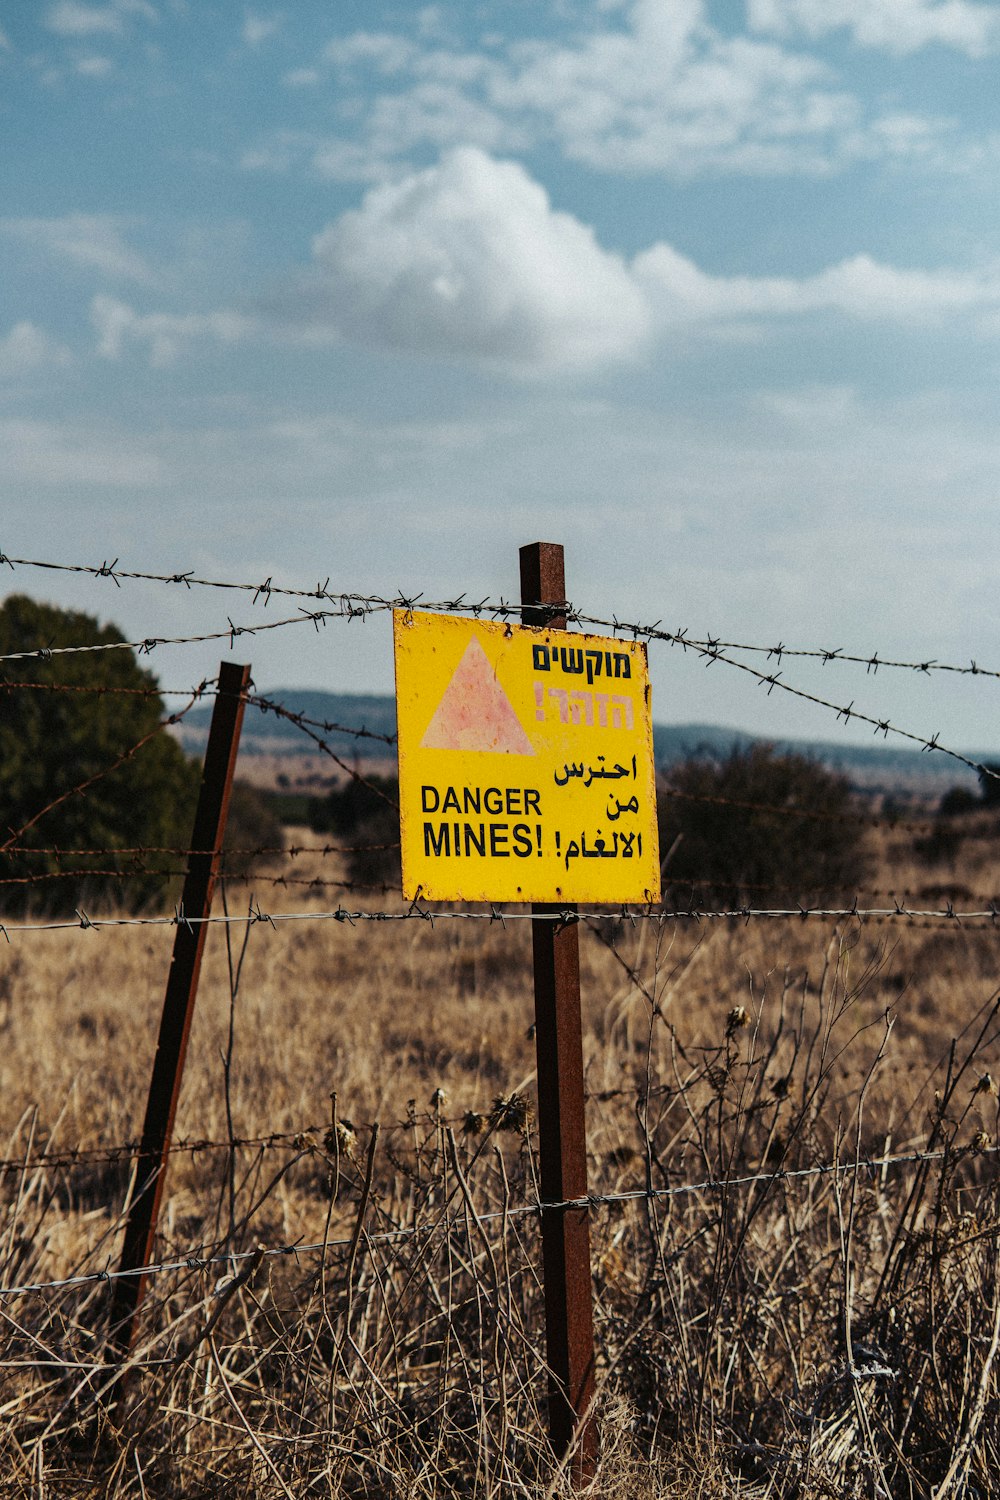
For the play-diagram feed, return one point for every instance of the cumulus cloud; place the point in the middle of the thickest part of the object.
(644, 86)
(164, 335)
(897, 26)
(469, 259)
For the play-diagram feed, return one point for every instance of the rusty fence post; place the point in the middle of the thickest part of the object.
(562, 1139)
(178, 1003)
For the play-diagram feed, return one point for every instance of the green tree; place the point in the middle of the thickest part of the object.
(758, 828)
(76, 716)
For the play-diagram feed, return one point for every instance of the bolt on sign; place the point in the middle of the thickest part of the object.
(525, 763)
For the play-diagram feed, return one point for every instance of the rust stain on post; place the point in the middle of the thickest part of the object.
(569, 1325)
(178, 1004)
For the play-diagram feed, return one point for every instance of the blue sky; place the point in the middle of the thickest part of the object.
(708, 292)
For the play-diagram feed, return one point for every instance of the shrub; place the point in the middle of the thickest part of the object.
(253, 825)
(957, 801)
(758, 828)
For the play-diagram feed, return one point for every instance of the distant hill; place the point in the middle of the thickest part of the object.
(877, 767)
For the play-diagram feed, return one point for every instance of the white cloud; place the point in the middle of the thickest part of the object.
(71, 18)
(164, 334)
(647, 86)
(469, 259)
(94, 241)
(26, 347)
(859, 287)
(896, 26)
(387, 52)
(94, 67)
(258, 29)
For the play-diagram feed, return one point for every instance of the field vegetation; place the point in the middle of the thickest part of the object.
(765, 1326)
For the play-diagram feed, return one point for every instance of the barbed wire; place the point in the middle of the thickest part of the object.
(303, 721)
(851, 815)
(306, 1138)
(703, 883)
(88, 1156)
(449, 1222)
(709, 648)
(365, 603)
(233, 877)
(712, 651)
(206, 689)
(560, 916)
(290, 851)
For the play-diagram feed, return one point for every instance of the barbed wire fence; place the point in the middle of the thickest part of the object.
(980, 913)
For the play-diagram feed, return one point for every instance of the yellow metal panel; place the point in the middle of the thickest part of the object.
(525, 763)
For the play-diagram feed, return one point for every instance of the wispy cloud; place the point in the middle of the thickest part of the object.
(27, 348)
(164, 334)
(258, 29)
(896, 26)
(95, 242)
(71, 18)
(51, 452)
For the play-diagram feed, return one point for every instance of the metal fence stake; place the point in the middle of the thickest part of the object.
(562, 1139)
(178, 1003)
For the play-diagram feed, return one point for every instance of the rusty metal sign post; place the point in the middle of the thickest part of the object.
(178, 1004)
(562, 1137)
(526, 773)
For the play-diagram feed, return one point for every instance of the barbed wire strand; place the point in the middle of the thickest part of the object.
(317, 882)
(260, 851)
(590, 1201)
(497, 914)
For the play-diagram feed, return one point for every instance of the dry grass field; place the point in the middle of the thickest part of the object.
(805, 1333)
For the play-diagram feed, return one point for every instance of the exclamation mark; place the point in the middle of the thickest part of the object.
(540, 700)
(538, 838)
(558, 842)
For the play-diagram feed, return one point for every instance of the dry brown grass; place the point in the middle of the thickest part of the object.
(728, 1318)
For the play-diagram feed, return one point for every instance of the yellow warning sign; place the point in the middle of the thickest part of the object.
(525, 763)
